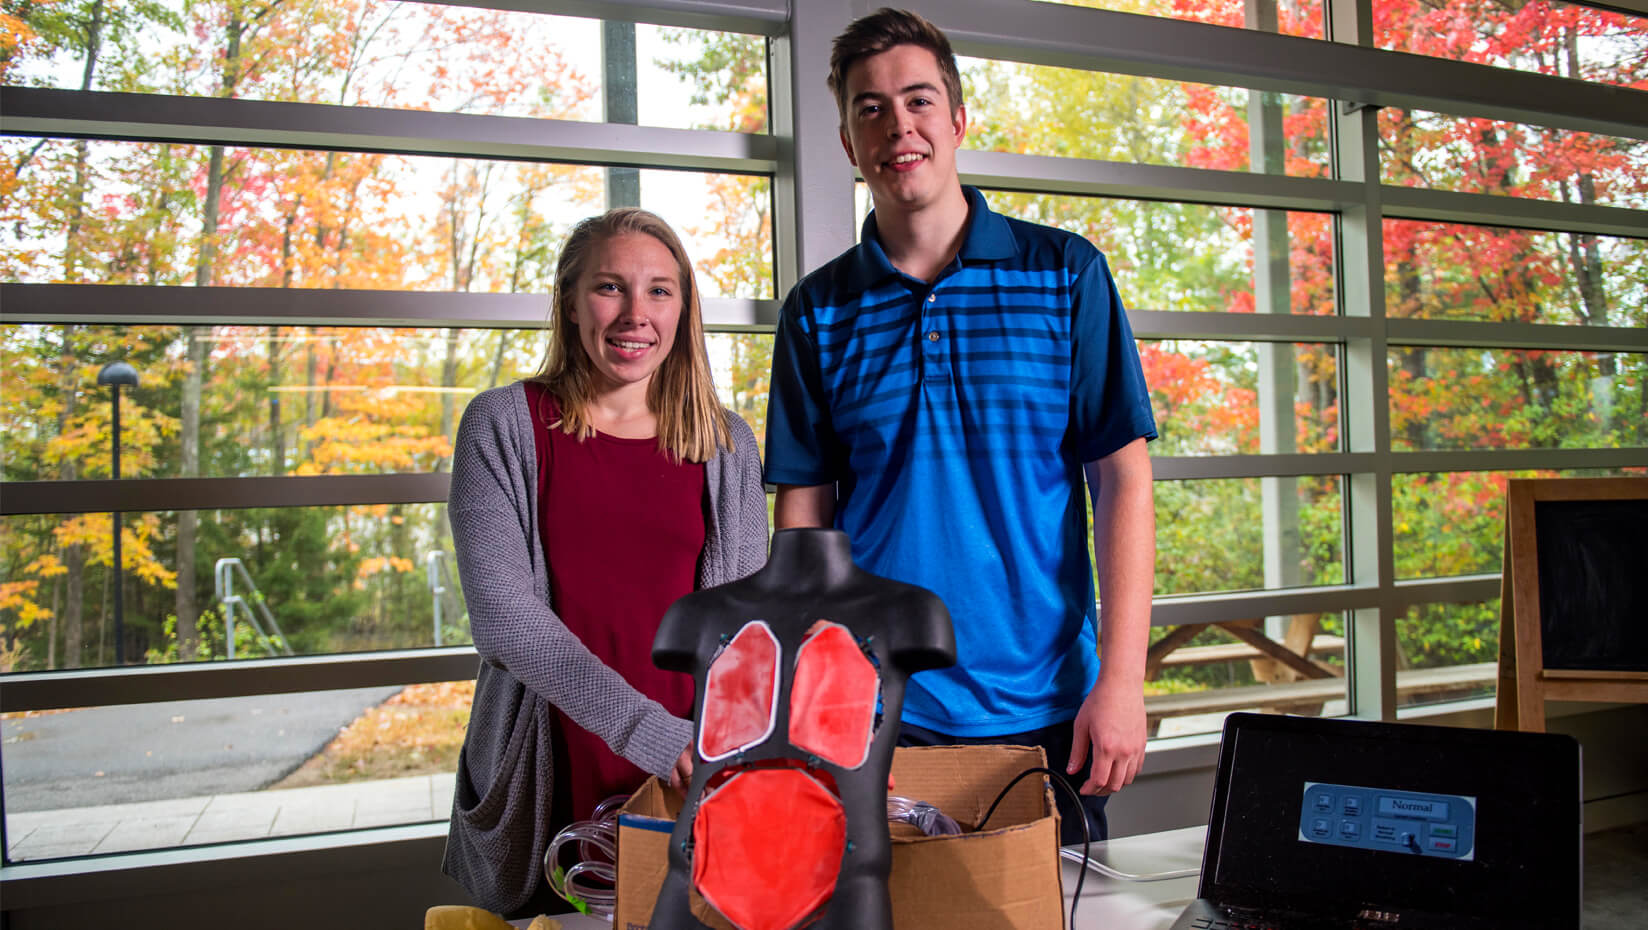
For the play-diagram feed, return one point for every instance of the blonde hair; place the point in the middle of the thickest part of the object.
(691, 424)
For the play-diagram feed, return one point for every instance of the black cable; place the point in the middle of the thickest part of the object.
(1081, 814)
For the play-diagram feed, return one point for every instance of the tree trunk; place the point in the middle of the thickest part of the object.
(51, 623)
(82, 152)
(188, 521)
(73, 556)
(277, 434)
(1412, 359)
(74, 561)
(310, 361)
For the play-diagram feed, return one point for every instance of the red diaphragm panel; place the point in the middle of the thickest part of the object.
(767, 848)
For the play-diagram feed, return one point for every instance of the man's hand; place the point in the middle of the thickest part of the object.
(1110, 723)
(681, 775)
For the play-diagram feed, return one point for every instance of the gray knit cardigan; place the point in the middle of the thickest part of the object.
(530, 660)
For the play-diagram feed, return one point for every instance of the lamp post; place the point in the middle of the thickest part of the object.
(115, 375)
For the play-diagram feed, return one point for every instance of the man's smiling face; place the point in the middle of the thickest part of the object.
(899, 129)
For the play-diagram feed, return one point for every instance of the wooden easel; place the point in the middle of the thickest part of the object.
(1524, 681)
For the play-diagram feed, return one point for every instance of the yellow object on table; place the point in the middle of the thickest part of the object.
(464, 917)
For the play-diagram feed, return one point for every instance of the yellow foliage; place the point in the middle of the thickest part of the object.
(378, 564)
(94, 531)
(46, 566)
(17, 596)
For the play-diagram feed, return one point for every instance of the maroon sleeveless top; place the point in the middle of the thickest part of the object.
(622, 529)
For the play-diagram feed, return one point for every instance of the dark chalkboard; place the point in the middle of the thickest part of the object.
(1593, 584)
(1573, 622)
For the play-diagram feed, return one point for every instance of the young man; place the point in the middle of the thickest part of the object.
(939, 392)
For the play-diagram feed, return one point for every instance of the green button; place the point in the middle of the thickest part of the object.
(1444, 829)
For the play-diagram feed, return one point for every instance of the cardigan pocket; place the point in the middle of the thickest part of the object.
(501, 784)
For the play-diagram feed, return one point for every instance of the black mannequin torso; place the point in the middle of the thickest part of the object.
(901, 629)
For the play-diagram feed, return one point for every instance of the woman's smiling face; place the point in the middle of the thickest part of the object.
(627, 307)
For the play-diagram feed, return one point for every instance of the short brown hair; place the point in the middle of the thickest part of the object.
(682, 392)
(884, 29)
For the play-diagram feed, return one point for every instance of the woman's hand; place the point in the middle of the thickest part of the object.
(681, 775)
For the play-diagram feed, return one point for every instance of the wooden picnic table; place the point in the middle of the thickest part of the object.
(1288, 660)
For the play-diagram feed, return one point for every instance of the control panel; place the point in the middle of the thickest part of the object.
(1389, 820)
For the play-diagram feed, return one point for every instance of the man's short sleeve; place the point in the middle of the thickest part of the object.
(802, 448)
(1109, 402)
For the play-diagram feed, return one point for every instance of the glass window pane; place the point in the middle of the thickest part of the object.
(1447, 652)
(742, 363)
(267, 582)
(1184, 256)
(419, 56)
(1451, 271)
(1042, 110)
(297, 218)
(1474, 398)
(1418, 148)
(1197, 674)
(1453, 523)
(1242, 398)
(1563, 39)
(79, 783)
(1242, 534)
(279, 400)
(1191, 257)
(272, 400)
(1288, 18)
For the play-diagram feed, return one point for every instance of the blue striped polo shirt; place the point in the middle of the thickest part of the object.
(954, 418)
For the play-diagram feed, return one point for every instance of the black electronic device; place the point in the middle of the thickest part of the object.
(1333, 824)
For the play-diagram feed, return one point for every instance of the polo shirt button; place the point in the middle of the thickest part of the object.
(932, 298)
(932, 336)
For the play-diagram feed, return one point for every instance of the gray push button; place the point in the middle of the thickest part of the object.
(1350, 829)
(1353, 806)
(1324, 802)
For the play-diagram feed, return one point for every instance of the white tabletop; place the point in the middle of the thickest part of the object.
(1116, 904)
(1106, 903)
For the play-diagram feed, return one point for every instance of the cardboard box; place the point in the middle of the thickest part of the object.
(1005, 878)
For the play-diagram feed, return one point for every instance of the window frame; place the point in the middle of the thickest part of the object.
(813, 222)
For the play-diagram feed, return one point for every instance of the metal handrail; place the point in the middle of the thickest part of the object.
(435, 567)
(224, 575)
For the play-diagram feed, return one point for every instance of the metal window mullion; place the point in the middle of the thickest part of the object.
(1443, 206)
(1371, 646)
(1487, 334)
(31, 111)
(1503, 460)
(1126, 43)
(1226, 606)
(1236, 467)
(1090, 177)
(1244, 327)
(752, 17)
(146, 305)
(149, 495)
(1457, 589)
(194, 680)
(813, 187)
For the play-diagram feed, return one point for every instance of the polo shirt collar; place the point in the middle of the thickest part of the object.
(988, 238)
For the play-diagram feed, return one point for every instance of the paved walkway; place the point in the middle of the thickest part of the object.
(222, 818)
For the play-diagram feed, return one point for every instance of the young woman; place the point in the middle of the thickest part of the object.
(584, 502)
